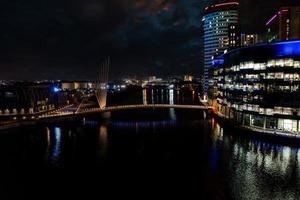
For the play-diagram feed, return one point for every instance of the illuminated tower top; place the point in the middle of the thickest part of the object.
(233, 5)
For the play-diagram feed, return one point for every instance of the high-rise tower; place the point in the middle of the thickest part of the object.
(218, 20)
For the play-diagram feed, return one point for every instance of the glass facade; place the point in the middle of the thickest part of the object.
(258, 87)
(217, 21)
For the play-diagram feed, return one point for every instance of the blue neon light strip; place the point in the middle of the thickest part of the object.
(286, 48)
(291, 48)
(218, 61)
(278, 49)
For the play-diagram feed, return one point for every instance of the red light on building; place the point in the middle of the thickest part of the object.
(227, 4)
(222, 6)
(284, 25)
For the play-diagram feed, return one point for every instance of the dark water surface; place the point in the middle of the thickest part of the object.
(140, 154)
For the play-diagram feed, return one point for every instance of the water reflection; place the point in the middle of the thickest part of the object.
(143, 124)
(172, 114)
(48, 141)
(103, 140)
(54, 145)
(217, 131)
(257, 169)
(232, 165)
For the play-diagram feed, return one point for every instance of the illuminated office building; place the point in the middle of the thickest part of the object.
(218, 20)
(258, 87)
(188, 78)
(284, 25)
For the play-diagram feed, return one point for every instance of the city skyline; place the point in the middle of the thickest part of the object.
(142, 98)
(64, 40)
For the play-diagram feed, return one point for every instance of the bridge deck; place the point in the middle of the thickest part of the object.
(64, 112)
(141, 106)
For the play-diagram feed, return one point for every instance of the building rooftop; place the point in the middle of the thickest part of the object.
(221, 6)
(259, 51)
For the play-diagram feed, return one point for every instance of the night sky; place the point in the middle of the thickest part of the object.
(68, 39)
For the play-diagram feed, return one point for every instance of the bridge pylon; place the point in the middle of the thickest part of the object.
(101, 83)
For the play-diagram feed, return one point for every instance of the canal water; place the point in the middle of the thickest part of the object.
(149, 153)
(138, 154)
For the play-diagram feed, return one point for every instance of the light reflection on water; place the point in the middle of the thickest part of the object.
(257, 169)
(103, 140)
(144, 124)
(54, 145)
(48, 140)
(241, 168)
(253, 169)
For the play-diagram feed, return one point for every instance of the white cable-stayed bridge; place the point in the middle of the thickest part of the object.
(85, 108)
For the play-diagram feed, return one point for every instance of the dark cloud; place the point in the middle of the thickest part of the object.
(255, 13)
(69, 38)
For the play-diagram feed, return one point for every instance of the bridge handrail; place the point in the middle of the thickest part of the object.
(120, 107)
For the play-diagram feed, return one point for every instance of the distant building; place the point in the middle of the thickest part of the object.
(154, 79)
(218, 20)
(75, 85)
(284, 25)
(249, 39)
(188, 78)
(22, 98)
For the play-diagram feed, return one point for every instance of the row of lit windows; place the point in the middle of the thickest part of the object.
(220, 15)
(214, 47)
(245, 88)
(214, 37)
(232, 97)
(257, 87)
(220, 18)
(266, 111)
(286, 77)
(292, 126)
(263, 76)
(217, 32)
(212, 41)
(288, 62)
(219, 24)
(212, 33)
(216, 26)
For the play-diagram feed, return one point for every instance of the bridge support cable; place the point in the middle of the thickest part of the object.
(101, 83)
(79, 106)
